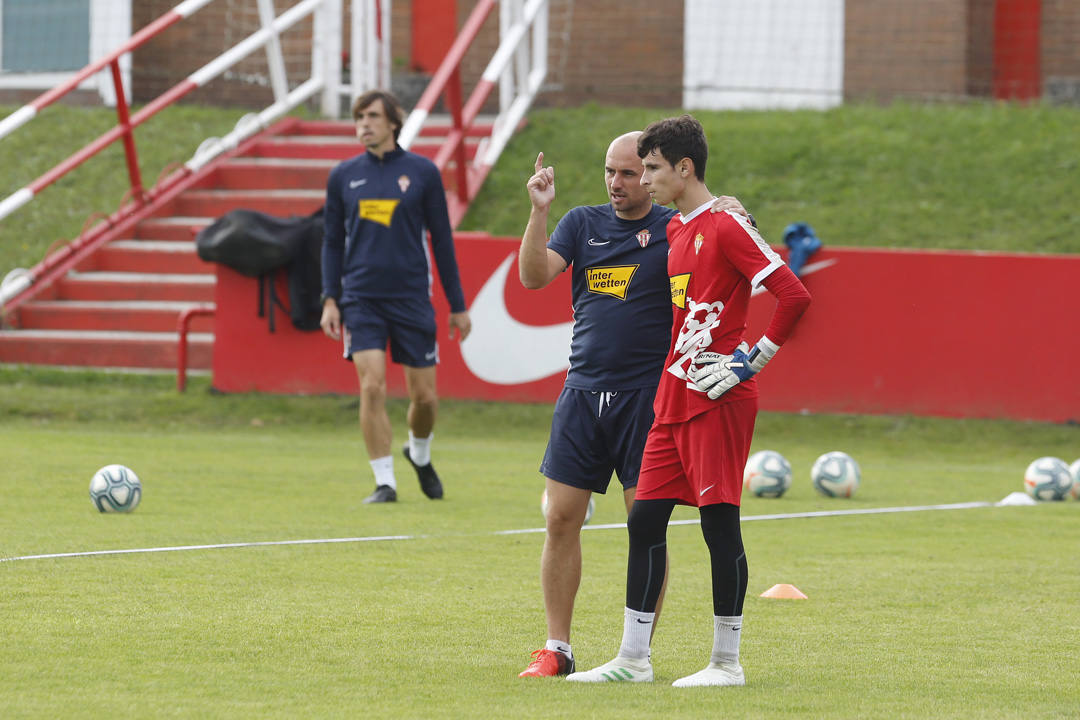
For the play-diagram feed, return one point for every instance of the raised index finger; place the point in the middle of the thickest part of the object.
(539, 161)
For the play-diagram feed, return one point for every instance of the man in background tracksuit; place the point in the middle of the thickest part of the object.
(376, 277)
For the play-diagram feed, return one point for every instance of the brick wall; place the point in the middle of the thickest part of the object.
(630, 52)
(612, 52)
(905, 48)
(980, 48)
(617, 53)
(183, 48)
(1061, 50)
(944, 49)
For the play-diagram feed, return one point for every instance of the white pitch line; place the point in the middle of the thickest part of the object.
(385, 538)
(218, 546)
(785, 516)
(871, 511)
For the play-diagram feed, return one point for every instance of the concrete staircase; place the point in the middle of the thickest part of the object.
(119, 307)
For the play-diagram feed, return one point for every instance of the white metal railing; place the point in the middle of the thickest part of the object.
(518, 69)
(523, 30)
(371, 70)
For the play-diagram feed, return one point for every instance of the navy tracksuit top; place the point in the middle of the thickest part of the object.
(377, 211)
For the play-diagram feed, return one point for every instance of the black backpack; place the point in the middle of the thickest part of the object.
(259, 245)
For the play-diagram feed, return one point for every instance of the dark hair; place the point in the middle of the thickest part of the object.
(390, 104)
(677, 138)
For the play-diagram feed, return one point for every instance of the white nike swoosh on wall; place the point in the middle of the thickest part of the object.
(807, 269)
(503, 351)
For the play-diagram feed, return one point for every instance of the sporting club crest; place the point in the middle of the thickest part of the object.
(643, 237)
(698, 240)
(404, 182)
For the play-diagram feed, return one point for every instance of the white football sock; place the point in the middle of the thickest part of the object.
(637, 631)
(727, 631)
(420, 449)
(384, 471)
(559, 646)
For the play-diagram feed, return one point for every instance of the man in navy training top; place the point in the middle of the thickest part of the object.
(622, 323)
(376, 277)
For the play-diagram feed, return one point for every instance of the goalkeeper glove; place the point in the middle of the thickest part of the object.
(715, 373)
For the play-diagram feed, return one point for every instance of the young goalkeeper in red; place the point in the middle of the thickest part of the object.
(706, 402)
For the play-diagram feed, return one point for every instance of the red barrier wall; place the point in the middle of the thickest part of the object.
(927, 333)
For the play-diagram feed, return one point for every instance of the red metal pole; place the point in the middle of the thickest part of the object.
(137, 192)
(468, 114)
(170, 18)
(182, 324)
(96, 146)
(453, 101)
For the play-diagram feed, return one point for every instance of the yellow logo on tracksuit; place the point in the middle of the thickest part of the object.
(379, 211)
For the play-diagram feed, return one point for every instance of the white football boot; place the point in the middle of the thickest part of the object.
(620, 669)
(729, 674)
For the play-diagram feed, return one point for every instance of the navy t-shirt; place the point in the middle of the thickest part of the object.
(621, 293)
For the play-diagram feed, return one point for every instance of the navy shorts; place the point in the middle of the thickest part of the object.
(596, 433)
(408, 325)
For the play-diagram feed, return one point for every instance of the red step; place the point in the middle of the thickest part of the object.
(136, 286)
(215, 203)
(134, 315)
(429, 147)
(249, 173)
(171, 228)
(149, 256)
(324, 127)
(323, 147)
(86, 348)
(435, 126)
(310, 147)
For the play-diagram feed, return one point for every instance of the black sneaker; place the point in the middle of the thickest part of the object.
(429, 479)
(382, 494)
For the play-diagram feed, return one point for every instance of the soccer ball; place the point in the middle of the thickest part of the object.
(835, 474)
(1075, 470)
(115, 488)
(1048, 478)
(588, 511)
(767, 474)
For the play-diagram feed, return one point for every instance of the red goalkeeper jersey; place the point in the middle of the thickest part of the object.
(714, 261)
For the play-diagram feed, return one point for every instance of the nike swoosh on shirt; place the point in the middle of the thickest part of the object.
(504, 351)
(592, 241)
(702, 493)
(353, 184)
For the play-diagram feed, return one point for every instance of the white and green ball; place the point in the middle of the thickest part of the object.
(767, 474)
(588, 511)
(1048, 478)
(836, 474)
(115, 488)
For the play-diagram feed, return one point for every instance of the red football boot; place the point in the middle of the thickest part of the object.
(548, 663)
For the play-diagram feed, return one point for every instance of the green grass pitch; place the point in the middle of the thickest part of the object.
(947, 614)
